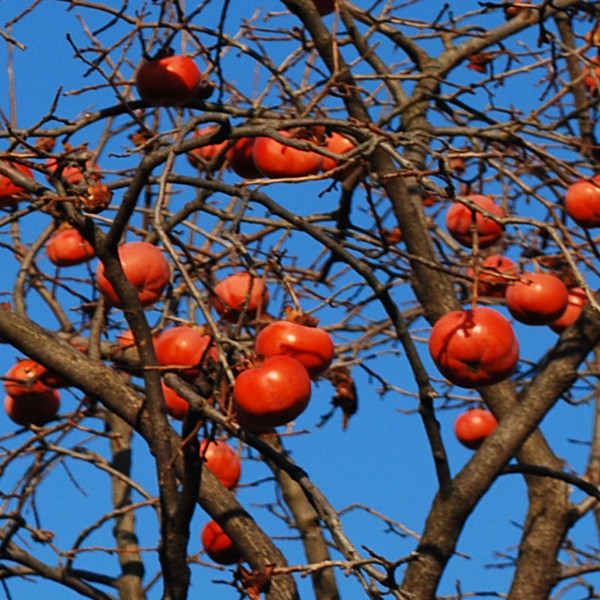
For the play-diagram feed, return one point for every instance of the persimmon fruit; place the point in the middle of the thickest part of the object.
(240, 158)
(222, 460)
(537, 298)
(582, 202)
(577, 299)
(168, 81)
(240, 293)
(67, 248)
(460, 219)
(35, 409)
(10, 192)
(184, 347)
(272, 393)
(207, 152)
(475, 347)
(311, 346)
(496, 273)
(218, 545)
(146, 268)
(474, 426)
(277, 160)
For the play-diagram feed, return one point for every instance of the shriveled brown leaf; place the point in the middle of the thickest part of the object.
(346, 396)
(255, 582)
(98, 198)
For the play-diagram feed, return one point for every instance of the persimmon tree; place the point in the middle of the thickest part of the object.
(296, 161)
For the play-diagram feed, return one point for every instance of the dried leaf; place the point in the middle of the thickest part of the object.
(45, 144)
(479, 62)
(98, 198)
(393, 236)
(346, 396)
(255, 582)
(300, 318)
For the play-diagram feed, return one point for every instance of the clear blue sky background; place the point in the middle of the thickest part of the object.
(382, 461)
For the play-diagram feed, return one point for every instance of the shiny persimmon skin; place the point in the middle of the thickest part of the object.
(240, 292)
(490, 283)
(206, 152)
(10, 192)
(311, 346)
(582, 202)
(218, 545)
(475, 347)
(30, 379)
(340, 145)
(73, 174)
(67, 248)
(222, 460)
(177, 406)
(126, 339)
(474, 426)
(276, 160)
(145, 266)
(591, 80)
(35, 409)
(537, 298)
(182, 346)
(272, 394)
(459, 219)
(577, 299)
(169, 81)
(240, 158)
(25, 379)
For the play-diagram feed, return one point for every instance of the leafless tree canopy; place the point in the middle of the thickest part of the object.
(438, 103)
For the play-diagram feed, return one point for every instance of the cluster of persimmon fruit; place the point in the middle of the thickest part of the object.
(253, 158)
(461, 341)
(33, 396)
(457, 343)
(274, 387)
(271, 389)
